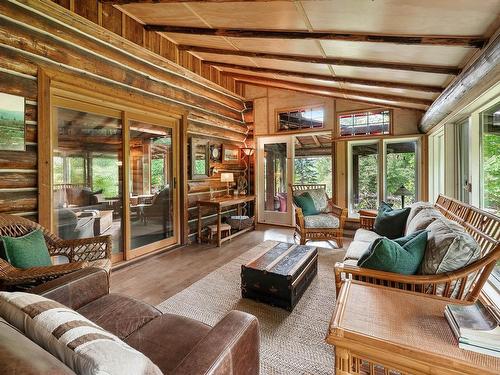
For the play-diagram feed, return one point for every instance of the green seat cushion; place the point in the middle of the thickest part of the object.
(305, 202)
(389, 222)
(27, 251)
(402, 255)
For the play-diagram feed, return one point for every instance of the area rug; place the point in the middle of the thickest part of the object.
(291, 343)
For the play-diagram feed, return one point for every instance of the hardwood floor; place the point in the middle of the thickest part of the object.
(159, 277)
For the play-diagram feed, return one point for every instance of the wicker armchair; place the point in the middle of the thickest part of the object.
(304, 234)
(80, 253)
(482, 226)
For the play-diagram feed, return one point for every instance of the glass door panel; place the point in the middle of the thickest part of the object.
(152, 185)
(463, 161)
(364, 176)
(274, 174)
(401, 173)
(88, 176)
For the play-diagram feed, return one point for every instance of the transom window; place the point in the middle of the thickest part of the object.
(373, 122)
(300, 119)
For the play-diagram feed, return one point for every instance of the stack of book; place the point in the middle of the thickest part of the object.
(476, 327)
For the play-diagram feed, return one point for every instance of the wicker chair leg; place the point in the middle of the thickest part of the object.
(302, 240)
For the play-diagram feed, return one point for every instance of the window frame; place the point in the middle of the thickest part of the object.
(296, 109)
(338, 133)
(381, 156)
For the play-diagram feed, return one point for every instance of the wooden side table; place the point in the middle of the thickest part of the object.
(379, 330)
(219, 204)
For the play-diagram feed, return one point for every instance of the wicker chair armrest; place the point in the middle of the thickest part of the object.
(37, 275)
(338, 211)
(299, 217)
(84, 249)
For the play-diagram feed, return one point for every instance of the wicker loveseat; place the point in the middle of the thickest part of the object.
(80, 253)
(462, 284)
(326, 226)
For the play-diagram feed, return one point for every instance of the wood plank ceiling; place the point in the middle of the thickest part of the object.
(399, 53)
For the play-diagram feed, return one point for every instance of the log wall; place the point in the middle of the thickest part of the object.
(96, 45)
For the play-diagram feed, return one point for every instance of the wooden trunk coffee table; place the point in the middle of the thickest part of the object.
(280, 275)
(380, 330)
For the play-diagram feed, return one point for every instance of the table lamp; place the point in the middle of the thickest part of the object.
(227, 178)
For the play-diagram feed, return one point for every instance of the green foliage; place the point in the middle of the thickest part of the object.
(157, 174)
(491, 171)
(367, 182)
(314, 170)
(401, 171)
(105, 175)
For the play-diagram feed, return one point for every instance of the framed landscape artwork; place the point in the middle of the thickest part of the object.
(230, 154)
(11, 122)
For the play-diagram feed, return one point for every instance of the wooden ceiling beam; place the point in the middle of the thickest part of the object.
(316, 140)
(124, 2)
(437, 69)
(332, 90)
(433, 40)
(316, 90)
(322, 77)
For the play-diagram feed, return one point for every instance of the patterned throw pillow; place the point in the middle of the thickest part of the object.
(319, 198)
(76, 341)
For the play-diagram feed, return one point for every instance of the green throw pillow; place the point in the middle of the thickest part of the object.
(27, 251)
(305, 202)
(390, 223)
(402, 255)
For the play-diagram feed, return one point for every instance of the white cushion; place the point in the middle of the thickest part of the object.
(366, 235)
(76, 341)
(356, 249)
(422, 220)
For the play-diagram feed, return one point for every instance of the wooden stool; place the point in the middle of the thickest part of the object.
(224, 228)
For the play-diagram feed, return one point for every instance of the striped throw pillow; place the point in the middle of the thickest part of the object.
(79, 343)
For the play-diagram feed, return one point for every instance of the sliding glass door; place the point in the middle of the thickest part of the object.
(114, 173)
(152, 184)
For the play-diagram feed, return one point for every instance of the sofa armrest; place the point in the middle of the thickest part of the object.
(230, 348)
(76, 289)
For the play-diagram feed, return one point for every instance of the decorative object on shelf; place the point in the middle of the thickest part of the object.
(200, 158)
(227, 178)
(402, 191)
(215, 153)
(12, 122)
(230, 154)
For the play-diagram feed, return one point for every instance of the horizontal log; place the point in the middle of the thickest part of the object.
(216, 132)
(112, 43)
(19, 160)
(329, 78)
(40, 44)
(331, 91)
(437, 69)
(433, 40)
(20, 200)
(17, 85)
(94, 84)
(31, 133)
(469, 84)
(11, 180)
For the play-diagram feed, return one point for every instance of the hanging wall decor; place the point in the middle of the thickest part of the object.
(12, 122)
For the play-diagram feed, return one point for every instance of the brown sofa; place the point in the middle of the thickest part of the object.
(177, 345)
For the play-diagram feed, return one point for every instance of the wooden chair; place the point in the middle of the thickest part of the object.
(80, 253)
(482, 226)
(319, 234)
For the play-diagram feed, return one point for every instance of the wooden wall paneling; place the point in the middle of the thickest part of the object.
(170, 76)
(73, 57)
(47, 7)
(169, 50)
(66, 3)
(134, 31)
(87, 9)
(111, 18)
